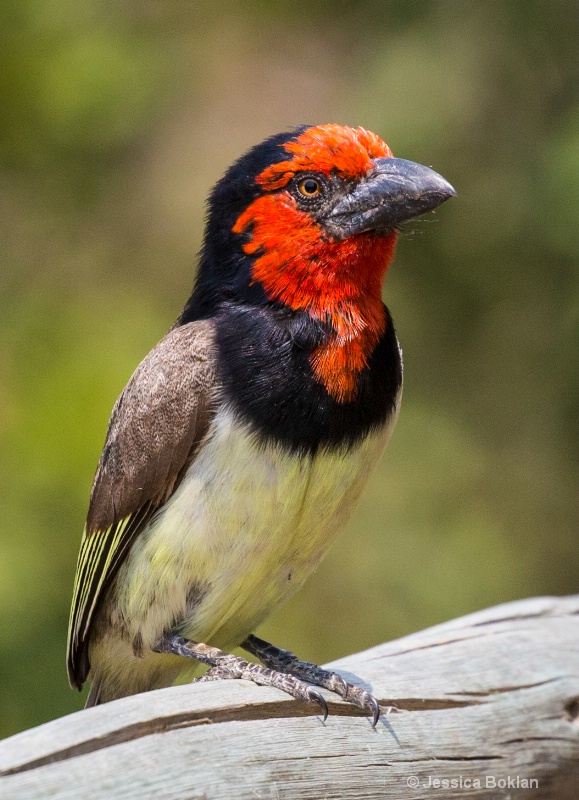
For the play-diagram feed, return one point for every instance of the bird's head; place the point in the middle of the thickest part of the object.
(308, 219)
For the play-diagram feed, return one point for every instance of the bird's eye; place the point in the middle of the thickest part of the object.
(309, 187)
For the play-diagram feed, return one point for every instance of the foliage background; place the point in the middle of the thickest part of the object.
(116, 118)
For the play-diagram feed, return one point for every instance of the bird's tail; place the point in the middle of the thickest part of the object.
(103, 690)
(138, 675)
(94, 696)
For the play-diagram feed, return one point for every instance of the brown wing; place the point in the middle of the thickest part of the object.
(155, 430)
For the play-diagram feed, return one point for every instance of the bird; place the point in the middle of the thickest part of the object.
(242, 442)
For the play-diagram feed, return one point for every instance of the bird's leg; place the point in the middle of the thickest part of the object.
(226, 666)
(283, 661)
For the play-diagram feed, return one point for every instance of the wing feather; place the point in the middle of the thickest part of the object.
(155, 431)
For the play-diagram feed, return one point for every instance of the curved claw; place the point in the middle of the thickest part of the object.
(314, 695)
(374, 708)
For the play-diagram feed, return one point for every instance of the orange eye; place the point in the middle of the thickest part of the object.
(309, 187)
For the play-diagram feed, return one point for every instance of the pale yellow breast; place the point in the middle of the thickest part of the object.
(245, 528)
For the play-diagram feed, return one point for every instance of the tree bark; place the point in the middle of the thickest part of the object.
(484, 706)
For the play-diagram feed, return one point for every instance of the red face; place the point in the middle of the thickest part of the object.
(300, 263)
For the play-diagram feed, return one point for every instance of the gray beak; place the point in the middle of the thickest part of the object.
(395, 191)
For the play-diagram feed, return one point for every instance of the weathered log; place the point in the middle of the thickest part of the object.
(484, 706)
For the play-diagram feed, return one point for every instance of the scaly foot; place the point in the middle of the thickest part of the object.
(223, 666)
(283, 661)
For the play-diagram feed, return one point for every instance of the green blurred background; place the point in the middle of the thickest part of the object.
(117, 117)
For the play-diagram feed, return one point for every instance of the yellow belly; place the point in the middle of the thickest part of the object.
(241, 534)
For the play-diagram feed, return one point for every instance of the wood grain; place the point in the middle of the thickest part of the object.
(480, 700)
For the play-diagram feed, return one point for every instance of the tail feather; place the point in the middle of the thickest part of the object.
(137, 675)
(94, 696)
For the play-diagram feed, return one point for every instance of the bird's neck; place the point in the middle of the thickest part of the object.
(337, 284)
(340, 286)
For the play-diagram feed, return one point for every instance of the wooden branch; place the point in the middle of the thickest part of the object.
(485, 706)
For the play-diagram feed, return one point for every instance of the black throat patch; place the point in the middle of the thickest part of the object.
(264, 358)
